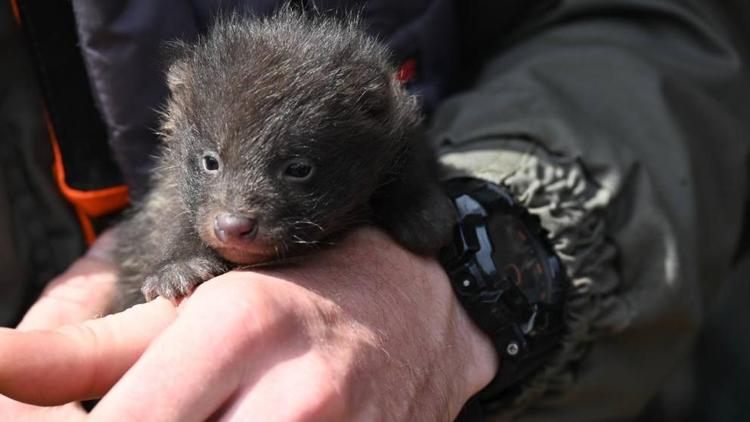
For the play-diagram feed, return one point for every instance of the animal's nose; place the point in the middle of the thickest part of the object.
(229, 227)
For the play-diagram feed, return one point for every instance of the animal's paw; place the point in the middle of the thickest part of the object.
(178, 279)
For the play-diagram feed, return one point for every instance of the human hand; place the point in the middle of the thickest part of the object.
(361, 331)
(82, 292)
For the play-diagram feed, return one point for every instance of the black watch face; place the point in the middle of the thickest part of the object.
(508, 278)
(520, 256)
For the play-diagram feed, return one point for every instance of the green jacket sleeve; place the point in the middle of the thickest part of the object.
(624, 126)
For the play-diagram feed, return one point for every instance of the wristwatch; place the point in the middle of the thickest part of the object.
(509, 280)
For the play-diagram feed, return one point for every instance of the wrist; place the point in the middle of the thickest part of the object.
(481, 359)
(470, 353)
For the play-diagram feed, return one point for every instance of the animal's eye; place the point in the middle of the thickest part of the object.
(298, 170)
(211, 162)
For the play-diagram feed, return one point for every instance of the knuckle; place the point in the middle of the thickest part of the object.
(323, 399)
(334, 387)
(87, 340)
(248, 311)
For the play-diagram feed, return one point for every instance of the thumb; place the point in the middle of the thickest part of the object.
(78, 362)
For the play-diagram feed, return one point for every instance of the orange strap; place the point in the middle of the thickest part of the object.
(88, 204)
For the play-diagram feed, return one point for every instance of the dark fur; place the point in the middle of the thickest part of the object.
(259, 93)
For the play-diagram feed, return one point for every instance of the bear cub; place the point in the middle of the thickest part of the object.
(279, 135)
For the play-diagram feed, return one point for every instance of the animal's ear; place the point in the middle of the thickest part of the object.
(176, 54)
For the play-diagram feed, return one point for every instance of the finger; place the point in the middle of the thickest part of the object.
(77, 362)
(11, 410)
(199, 361)
(82, 292)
